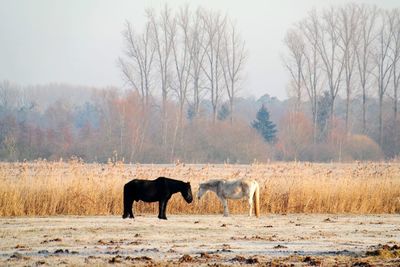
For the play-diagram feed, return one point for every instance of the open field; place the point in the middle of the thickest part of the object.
(74, 188)
(302, 239)
(312, 214)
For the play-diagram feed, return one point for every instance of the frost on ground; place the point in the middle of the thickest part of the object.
(202, 239)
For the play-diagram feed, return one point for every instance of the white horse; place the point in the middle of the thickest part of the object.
(243, 188)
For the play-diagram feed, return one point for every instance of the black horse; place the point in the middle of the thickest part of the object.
(160, 189)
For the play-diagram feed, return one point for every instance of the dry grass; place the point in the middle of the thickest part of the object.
(50, 188)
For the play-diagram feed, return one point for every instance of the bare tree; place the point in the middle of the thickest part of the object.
(183, 63)
(294, 62)
(197, 49)
(311, 73)
(182, 59)
(137, 66)
(348, 27)
(396, 59)
(232, 63)
(214, 24)
(328, 48)
(364, 39)
(163, 29)
(382, 60)
(8, 95)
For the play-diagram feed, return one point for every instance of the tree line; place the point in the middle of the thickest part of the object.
(183, 73)
(106, 124)
(351, 51)
(183, 55)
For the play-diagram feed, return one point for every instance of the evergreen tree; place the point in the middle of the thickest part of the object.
(264, 126)
(191, 113)
(223, 113)
(323, 114)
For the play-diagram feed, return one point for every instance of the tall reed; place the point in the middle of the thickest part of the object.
(74, 188)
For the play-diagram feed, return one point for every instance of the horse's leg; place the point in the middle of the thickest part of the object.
(160, 203)
(250, 205)
(162, 206)
(225, 204)
(131, 210)
(165, 209)
(128, 209)
(128, 202)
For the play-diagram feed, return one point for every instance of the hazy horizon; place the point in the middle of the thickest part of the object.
(78, 43)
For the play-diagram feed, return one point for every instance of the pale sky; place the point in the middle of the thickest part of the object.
(78, 42)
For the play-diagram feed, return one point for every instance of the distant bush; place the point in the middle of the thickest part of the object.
(295, 137)
(361, 147)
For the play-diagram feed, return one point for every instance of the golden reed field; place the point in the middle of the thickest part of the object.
(76, 188)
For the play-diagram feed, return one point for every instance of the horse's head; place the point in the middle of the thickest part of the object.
(187, 193)
(201, 191)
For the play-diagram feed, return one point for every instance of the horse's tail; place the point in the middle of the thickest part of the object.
(256, 199)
